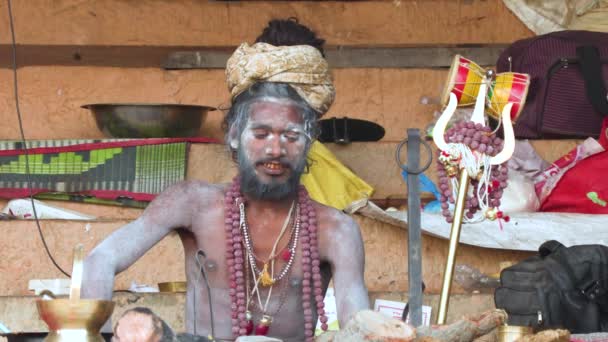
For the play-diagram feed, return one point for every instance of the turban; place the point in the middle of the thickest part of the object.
(301, 66)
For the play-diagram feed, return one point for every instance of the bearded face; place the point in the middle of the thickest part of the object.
(272, 151)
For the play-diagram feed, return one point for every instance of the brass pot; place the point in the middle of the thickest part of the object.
(510, 333)
(74, 320)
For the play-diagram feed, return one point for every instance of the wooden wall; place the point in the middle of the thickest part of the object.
(51, 95)
(111, 51)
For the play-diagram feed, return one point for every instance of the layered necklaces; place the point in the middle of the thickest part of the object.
(265, 277)
(288, 254)
(246, 278)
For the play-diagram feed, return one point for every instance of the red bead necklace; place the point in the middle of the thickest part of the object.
(481, 139)
(312, 288)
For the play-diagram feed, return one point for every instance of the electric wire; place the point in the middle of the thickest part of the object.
(24, 143)
(203, 272)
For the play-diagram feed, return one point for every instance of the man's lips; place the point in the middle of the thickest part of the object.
(273, 167)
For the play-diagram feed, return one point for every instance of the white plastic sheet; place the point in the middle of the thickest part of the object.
(525, 231)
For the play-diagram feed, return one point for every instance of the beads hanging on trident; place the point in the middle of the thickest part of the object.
(472, 159)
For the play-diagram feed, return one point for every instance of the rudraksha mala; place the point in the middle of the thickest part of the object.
(312, 286)
(477, 138)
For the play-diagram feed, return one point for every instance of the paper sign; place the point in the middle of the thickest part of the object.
(395, 310)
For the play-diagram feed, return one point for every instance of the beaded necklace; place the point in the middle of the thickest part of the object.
(264, 276)
(312, 288)
(488, 181)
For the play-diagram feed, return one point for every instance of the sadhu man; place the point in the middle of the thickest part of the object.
(270, 250)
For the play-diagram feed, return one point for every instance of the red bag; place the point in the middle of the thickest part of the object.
(584, 188)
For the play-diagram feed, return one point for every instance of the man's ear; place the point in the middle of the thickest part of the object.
(233, 138)
(234, 144)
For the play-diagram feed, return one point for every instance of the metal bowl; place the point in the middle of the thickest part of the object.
(134, 120)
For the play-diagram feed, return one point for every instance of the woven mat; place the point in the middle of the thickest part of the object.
(135, 169)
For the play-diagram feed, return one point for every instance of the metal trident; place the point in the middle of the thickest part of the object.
(503, 156)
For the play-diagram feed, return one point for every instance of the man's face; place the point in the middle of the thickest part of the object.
(271, 151)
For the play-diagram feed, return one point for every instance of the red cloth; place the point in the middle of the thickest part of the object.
(582, 189)
(604, 134)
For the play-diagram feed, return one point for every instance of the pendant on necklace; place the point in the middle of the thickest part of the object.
(286, 255)
(265, 278)
(264, 325)
(249, 327)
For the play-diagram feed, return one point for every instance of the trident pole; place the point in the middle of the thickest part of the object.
(448, 273)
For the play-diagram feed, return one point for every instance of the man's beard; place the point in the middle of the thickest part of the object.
(252, 186)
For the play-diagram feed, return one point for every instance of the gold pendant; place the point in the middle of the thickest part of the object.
(265, 278)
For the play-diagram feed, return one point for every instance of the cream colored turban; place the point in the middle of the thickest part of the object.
(301, 66)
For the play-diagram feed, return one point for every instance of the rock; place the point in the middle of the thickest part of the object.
(465, 329)
(257, 339)
(371, 326)
(547, 336)
(327, 336)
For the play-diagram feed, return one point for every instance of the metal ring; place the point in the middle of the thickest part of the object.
(404, 166)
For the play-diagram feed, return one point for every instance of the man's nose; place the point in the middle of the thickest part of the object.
(275, 147)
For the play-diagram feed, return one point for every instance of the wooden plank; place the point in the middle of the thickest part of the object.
(20, 314)
(354, 57)
(373, 162)
(26, 258)
(51, 97)
(209, 23)
(385, 248)
(92, 55)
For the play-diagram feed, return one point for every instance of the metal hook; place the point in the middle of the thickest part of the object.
(404, 166)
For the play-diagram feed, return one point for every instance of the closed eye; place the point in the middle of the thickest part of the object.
(292, 135)
(260, 133)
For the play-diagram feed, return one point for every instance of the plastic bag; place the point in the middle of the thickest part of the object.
(330, 182)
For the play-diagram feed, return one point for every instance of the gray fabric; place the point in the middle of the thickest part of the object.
(544, 16)
(185, 337)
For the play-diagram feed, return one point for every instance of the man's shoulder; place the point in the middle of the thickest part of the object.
(333, 219)
(196, 190)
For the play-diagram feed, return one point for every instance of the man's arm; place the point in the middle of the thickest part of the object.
(124, 246)
(347, 258)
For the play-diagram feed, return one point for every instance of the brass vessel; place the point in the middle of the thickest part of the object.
(75, 319)
(510, 333)
(172, 286)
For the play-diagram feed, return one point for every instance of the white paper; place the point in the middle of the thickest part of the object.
(59, 287)
(22, 208)
(394, 309)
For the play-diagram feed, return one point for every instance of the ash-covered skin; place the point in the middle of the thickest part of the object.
(272, 151)
(271, 161)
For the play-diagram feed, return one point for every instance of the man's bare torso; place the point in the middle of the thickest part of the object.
(207, 234)
(196, 211)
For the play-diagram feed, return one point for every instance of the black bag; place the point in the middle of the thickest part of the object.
(346, 130)
(567, 96)
(560, 288)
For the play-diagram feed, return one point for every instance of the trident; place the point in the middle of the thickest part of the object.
(503, 156)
